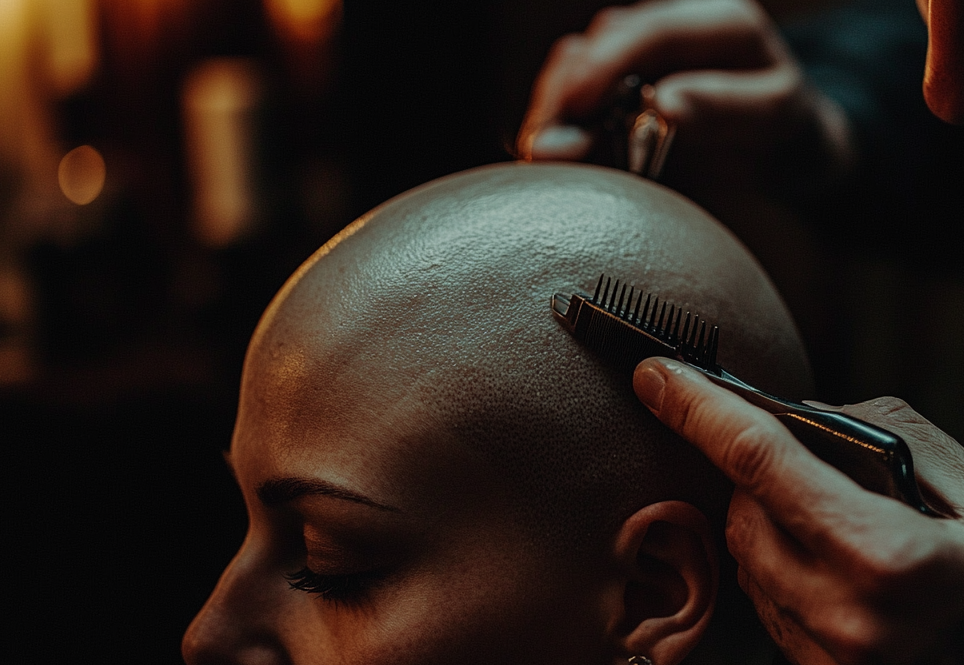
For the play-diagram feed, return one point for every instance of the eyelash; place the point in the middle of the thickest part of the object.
(336, 588)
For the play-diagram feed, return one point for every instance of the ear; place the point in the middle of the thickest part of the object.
(670, 572)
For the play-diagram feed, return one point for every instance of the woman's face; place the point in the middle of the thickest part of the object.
(375, 537)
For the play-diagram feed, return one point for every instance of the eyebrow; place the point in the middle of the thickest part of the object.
(277, 491)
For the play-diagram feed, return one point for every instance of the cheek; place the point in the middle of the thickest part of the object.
(487, 610)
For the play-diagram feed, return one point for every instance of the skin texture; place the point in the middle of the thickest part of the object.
(520, 505)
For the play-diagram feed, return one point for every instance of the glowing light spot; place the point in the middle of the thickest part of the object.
(220, 100)
(307, 20)
(81, 174)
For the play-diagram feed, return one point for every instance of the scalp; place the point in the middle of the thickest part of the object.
(445, 290)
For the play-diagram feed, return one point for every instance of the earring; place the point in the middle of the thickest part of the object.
(639, 660)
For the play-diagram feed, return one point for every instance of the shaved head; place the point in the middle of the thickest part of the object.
(444, 475)
(438, 302)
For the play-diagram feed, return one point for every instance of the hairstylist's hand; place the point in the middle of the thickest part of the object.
(837, 574)
(721, 72)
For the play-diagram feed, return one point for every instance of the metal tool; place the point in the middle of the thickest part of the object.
(635, 137)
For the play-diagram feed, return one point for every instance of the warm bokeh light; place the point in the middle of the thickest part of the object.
(81, 174)
(143, 21)
(306, 20)
(71, 38)
(16, 313)
(219, 100)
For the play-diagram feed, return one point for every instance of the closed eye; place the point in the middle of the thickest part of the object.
(350, 587)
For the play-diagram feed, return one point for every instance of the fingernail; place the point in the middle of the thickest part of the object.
(649, 384)
(560, 142)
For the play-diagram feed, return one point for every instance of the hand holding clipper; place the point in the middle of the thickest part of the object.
(625, 331)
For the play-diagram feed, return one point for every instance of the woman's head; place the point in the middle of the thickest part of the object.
(445, 473)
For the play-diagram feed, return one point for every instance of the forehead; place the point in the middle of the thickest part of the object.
(345, 412)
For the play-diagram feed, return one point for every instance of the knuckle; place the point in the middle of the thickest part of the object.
(899, 562)
(898, 416)
(741, 12)
(882, 572)
(687, 413)
(744, 580)
(890, 404)
(754, 12)
(744, 525)
(788, 82)
(564, 47)
(751, 456)
(855, 637)
(751, 26)
(892, 407)
(741, 535)
(606, 19)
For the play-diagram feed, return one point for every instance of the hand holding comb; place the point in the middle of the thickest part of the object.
(624, 329)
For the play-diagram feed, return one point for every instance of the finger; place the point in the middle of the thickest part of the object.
(780, 566)
(558, 142)
(545, 106)
(790, 637)
(749, 445)
(808, 603)
(811, 499)
(656, 38)
(611, 18)
(938, 458)
(719, 106)
(855, 605)
(650, 39)
(867, 549)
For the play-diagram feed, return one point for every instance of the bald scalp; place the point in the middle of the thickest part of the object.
(443, 294)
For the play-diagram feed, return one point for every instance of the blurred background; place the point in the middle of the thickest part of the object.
(166, 164)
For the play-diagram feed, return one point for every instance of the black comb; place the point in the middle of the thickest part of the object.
(624, 328)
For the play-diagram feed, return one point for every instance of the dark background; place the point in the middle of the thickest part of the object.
(120, 512)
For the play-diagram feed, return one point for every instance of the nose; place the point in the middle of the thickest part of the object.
(238, 624)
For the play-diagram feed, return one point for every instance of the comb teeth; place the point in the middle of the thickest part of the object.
(687, 333)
